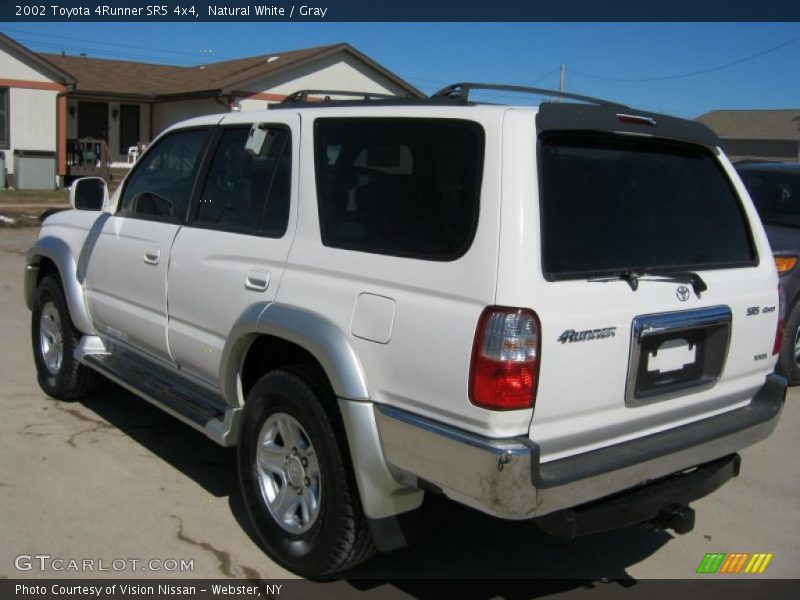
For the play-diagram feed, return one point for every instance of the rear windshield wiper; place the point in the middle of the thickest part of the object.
(632, 277)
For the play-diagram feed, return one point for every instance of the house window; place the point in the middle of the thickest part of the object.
(4, 102)
(128, 127)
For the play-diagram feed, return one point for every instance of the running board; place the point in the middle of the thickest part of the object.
(183, 399)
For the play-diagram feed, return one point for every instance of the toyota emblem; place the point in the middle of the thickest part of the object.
(682, 293)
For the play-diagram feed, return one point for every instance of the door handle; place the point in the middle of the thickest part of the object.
(152, 256)
(257, 280)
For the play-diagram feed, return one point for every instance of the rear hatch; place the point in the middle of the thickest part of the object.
(655, 308)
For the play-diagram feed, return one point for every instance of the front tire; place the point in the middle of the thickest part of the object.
(296, 477)
(54, 340)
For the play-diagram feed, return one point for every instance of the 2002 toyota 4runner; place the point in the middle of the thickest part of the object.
(567, 314)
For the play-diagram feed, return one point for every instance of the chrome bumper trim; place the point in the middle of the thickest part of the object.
(503, 477)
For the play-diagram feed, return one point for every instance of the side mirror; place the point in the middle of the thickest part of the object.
(88, 193)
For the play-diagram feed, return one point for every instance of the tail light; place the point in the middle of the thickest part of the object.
(505, 359)
(776, 347)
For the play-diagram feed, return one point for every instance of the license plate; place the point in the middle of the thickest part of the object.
(672, 355)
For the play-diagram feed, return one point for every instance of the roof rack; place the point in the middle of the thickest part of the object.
(302, 96)
(460, 91)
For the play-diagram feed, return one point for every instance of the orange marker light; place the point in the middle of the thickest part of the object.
(784, 264)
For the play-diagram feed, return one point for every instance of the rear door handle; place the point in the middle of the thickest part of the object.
(152, 256)
(257, 280)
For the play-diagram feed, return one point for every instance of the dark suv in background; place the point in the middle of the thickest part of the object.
(775, 190)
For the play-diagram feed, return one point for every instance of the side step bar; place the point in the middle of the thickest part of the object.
(184, 400)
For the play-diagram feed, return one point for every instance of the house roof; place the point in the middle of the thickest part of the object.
(754, 124)
(118, 78)
(49, 69)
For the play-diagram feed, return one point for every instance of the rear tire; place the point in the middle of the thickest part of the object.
(293, 439)
(790, 347)
(54, 340)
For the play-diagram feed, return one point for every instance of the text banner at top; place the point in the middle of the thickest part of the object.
(400, 10)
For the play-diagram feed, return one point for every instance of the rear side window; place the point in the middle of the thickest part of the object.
(403, 187)
(246, 192)
(611, 204)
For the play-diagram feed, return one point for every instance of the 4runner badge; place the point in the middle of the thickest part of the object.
(570, 335)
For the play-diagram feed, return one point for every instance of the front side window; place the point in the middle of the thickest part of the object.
(244, 191)
(611, 204)
(160, 186)
(403, 187)
(4, 120)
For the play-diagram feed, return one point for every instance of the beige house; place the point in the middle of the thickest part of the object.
(82, 115)
(772, 135)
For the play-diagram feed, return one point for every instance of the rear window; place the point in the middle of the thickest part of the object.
(611, 205)
(776, 195)
(403, 187)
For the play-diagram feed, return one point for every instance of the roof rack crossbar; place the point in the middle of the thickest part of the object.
(302, 96)
(460, 91)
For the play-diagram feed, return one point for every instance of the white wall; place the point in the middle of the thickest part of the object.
(167, 114)
(340, 71)
(18, 67)
(32, 122)
(32, 113)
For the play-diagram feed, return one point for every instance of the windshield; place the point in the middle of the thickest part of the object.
(612, 204)
(776, 195)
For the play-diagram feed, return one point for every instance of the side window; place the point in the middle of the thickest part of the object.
(247, 192)
(160, 186)
(403, 187)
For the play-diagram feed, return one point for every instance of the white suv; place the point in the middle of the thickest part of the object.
(567, 314)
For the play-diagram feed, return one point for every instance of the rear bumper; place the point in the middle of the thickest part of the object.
(663, 502)
(505, 477)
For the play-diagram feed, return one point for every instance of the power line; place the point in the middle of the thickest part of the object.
(439, 84)
(530, 84)
(99, 51)
(436, 81)
(201, 58)
(660, 109)
(691, 73)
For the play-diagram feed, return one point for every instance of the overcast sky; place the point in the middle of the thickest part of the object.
(684, 69)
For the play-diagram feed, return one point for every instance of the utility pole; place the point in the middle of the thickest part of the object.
(561, 80)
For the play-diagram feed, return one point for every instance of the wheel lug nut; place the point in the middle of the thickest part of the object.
(304, 461)
(298, 490)
(307, 481)
(294, 451)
